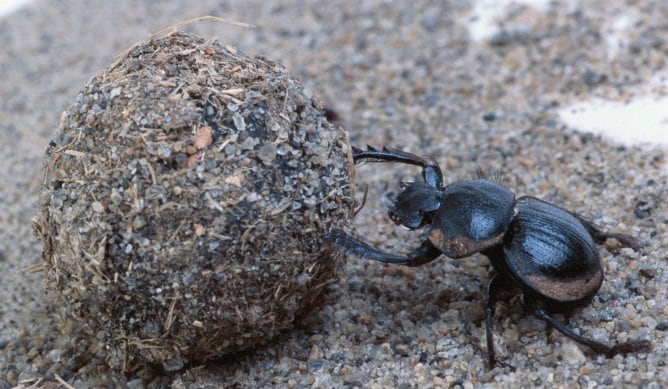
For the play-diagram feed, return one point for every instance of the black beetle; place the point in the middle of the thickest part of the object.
(544, 251)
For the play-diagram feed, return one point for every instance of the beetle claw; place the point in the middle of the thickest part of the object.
(632, 346)
(498, 361)
(629, 241)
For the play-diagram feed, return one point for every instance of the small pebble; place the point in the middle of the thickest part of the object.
(97, 207)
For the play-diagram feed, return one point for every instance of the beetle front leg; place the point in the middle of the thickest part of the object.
(431, 172)
(426, 253)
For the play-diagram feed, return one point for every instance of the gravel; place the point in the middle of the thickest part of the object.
(402, 74)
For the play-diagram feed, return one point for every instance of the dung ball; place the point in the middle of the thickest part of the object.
(185, 199)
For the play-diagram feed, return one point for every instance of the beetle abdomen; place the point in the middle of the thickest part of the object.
(549, 251)
(474, 215)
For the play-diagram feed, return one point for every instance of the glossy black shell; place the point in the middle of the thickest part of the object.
(474, 215)
(551, 254)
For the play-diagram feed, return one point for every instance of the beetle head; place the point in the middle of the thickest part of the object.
(415, 205)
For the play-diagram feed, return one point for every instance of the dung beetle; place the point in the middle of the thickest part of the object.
(536, 248)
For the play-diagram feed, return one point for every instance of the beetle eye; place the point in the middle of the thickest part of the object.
(394, 217)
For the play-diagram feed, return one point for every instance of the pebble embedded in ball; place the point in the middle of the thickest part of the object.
(184, 202)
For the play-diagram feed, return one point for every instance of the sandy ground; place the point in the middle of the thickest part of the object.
(403, 74)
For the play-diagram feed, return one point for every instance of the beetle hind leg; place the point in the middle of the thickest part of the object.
(631, 346)
(600, 236)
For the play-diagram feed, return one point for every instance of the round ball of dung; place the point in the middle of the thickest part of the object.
(185, 199)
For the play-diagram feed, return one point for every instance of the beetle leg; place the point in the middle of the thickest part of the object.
(601, 236)
(431, 172)
(426, 253)
(496, 288)
(630, 346)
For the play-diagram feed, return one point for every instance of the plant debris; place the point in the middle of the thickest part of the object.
(184, 202)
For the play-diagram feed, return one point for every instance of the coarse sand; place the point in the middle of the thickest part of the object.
(405, 74)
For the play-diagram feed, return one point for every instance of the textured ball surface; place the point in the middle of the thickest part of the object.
(184, 202)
